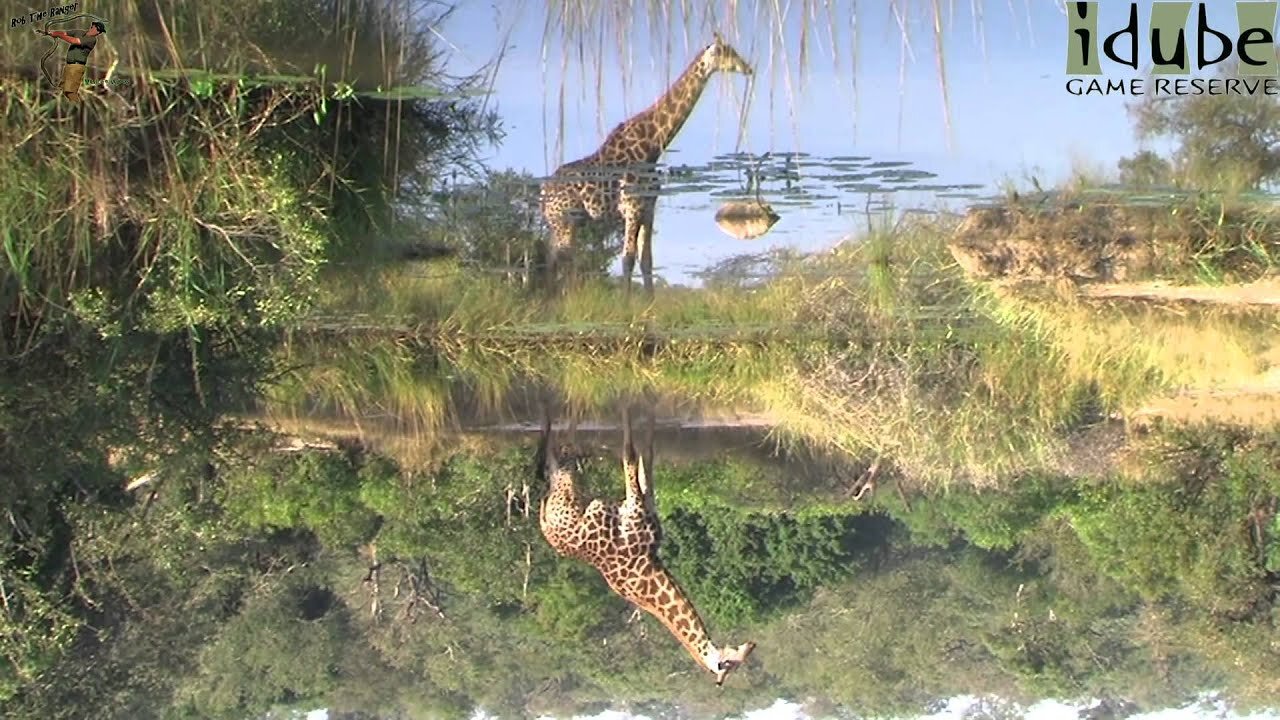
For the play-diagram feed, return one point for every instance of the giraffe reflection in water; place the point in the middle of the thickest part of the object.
(618, 183)
(621, 541)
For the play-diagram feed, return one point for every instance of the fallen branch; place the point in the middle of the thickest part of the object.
(373, 578)
(141, 480)
(865, 483)
(528, 570)
(421, 591)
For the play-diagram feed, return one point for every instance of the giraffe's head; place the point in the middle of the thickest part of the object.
(725, 660)
(720, 57)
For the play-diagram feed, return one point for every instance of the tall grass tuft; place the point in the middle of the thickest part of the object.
(191, 197)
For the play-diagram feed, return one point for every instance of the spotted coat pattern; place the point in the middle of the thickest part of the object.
(617, 185)
(621, 541)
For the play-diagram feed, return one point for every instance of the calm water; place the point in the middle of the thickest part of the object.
(822, 201)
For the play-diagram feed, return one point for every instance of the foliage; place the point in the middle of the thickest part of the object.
(496, 225)
(573, 604)
(1145, 169)
(1228, 142)
(36, 628)
(1182, 535)
(172, 217)
(743, 566)
(995, 520)
(494, 222)
(283, 646)
(1050, 592)
(307, 491)
(162, 560)
(150, 257)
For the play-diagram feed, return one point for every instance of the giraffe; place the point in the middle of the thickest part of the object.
(617, 184)
(621, 541)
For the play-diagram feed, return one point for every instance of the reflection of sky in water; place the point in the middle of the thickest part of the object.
(821, 201)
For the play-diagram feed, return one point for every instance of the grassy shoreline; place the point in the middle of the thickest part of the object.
(882, 347)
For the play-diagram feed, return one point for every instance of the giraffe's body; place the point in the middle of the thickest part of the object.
(621, 541)
(617, 185)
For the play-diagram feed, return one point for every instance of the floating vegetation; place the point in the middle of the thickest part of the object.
(800, 179)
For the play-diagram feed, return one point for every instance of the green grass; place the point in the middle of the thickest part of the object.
(879, 348)
(1194, 236)
(874, 348)
(210, 193)
(220, 238)
(1135, 348)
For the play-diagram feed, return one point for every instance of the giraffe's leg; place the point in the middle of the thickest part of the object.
(569, 261)
(645, 477)
(553, 248)
(646, 254)
(631, 235)
(560, 252)
(546, 458)
(552, 217)
(558, 476)
(630, 468)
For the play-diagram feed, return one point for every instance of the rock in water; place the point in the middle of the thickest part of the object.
(746, 219)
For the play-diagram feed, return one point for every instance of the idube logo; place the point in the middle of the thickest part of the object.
(1172, 50)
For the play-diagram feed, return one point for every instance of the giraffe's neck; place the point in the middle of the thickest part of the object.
(667, 115)
(664, 599)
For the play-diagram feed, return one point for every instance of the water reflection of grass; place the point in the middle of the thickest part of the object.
(879, 347)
